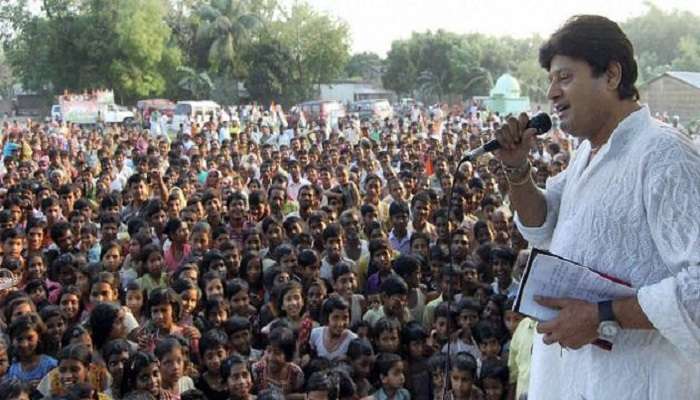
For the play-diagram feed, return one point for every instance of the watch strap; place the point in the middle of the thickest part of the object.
(605, 311)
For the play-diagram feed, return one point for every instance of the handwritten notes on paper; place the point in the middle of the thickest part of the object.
(552, 276)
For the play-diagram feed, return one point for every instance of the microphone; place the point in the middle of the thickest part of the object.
(541, 122)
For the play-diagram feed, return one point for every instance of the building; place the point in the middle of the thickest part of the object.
(674, 93)
(505, 97)
(347, 91)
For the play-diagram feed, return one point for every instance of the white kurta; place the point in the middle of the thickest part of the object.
(633, 213)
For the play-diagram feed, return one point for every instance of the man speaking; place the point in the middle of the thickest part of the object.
(627, 205)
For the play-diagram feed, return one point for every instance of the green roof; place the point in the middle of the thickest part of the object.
(506, 86)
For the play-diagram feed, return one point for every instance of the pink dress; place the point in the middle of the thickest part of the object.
(171, 263)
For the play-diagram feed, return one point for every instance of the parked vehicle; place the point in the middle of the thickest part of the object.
(376, 109)
(196, 111)
(92, 108)
(56, 113)
(28, 105)
(321, 111)
(146, 107)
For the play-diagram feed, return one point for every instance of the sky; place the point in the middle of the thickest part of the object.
(374, 24)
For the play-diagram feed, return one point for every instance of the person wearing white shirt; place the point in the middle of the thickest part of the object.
(164, 122)
(285, 138)
(295, 179)
(224, 132)
(627, 205)
(255, 136)
(415, 113)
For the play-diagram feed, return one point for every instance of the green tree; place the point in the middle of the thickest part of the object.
(198, 84)
(76, 45)
(656, 37)
(183, 21)
(145, 58)
(689, 54)
(367, 66)
(441, 65)
(318, 47)
(533, 80)
(270, 78)
(401, 73)
(6, 77)
(225, 24)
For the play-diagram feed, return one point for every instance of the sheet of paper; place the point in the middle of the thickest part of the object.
(551, 276)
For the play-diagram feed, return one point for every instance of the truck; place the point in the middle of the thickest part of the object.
(194, 111)
(92, 108)
(28, 105)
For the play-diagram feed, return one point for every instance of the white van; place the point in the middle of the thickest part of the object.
(196, 111)
(56, 113)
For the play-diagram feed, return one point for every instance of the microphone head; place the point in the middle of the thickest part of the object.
(541, 122)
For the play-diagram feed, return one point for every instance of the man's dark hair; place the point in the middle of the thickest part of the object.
(394, 285)
(598, 41)
(59, 229)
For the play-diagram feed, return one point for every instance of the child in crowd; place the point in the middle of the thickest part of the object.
(240, 336)
(331, 340)
(277, 369)
(390, 370)
(31, 365)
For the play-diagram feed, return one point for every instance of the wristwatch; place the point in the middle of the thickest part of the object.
(608, 327)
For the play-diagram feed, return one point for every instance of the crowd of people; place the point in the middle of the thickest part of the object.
(243, 258)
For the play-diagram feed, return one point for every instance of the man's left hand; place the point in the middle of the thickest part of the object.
(576, 325)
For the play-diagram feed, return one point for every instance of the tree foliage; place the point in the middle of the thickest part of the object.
(281, 50)
(198, 85)
(433, 65)
(270, 78)
(318, 46)
(366, 66)
(299, 49)
(664, 40)
(6, 78)
(76, 45)
(225, 24)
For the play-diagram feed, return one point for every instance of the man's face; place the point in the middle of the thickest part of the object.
(325, 177)
(460, 246)
(13, 247)
(581, 99)
(351, 227)
(499, 221)
(399, 221)
(294, 172)
(140, 191)
(305, 198)
(373, 189)
(65, 242)
(397, 190)
(237, 209)
(53, 213)
(276, 200)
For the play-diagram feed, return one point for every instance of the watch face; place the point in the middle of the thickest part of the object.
(608, 329)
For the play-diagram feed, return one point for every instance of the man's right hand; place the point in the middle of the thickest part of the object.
(515, 140)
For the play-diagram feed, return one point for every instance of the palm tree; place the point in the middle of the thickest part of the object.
(224, 24)
(197, 83)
